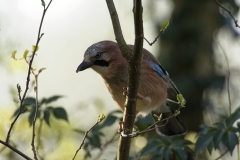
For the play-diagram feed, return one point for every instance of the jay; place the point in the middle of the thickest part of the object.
(155, 85)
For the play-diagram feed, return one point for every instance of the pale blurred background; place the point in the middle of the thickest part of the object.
(70, 27)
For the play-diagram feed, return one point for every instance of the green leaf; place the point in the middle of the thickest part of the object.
(202, 142)
(181, 100)
(40, 70)
(210, 147)
(204, 130)
(17, 111)
(34, 47)
(156, 157)
(110, 120)
(165, 25)
(167, 152)
(46, 116)
(230, 140)
(25, 54)
(79, 131)
(29, 101)
(232, 118)
(60, 113)
(31, 116)
(151, 146)
(217, 137)
(238, 126)
(220, 125)
(14, 54)
(181, 153)
(43, 3)
(167, 141)
(95, 141)
(51, 99)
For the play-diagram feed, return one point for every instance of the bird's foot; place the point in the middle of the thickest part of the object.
(133, 134)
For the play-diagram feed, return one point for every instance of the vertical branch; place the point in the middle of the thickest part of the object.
(35, 118)
(29, 71)
(228, 80)
(134, 61)
(41, 157)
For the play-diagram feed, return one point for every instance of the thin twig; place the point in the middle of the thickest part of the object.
(100, 118)
(228, 79)
(155, 40)
(238, 151)
(230, 13)
(104, 147)
(38, 138)
(35, 118)
(28, 74)
(15, 150)
(222, 155)
(153, 126)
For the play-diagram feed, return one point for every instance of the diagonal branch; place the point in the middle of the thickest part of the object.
(100, 118)
(15, 150)
(230, 13)
(126, 51)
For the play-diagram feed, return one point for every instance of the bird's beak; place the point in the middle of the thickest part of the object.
(84, 65)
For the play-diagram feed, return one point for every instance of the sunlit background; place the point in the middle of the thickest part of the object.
(190, 52)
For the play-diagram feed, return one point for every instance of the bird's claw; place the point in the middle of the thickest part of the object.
(131, 135)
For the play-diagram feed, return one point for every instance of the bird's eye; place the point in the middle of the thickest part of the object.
(98, 55)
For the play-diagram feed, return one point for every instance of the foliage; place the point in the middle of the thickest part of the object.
(165, 147)
(220, 133)
(210, 137)
(45, 110)
(95, 136)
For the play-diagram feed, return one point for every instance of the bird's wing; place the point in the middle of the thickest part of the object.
(155, 65)
(172, 90)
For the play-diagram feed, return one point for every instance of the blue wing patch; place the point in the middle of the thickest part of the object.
(159, 70)
(163, 74)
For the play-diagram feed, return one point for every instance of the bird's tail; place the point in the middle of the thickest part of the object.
(169, 126)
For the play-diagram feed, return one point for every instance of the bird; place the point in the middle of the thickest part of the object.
(155, 84)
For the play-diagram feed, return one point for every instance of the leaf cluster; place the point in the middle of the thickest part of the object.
(95, 136)
(166, 148)
(220, 133)
(45, 110)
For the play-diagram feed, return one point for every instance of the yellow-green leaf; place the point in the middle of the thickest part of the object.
(101, 117)
(25, 54)
(40, 70)
(43, 3)
(160, 117)
(165, 24)
(33, 48)
(155, 116)
(177, 112)
(35, 88)
(14, 54)
(181, 100)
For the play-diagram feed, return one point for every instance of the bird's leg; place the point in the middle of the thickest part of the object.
(139, 96)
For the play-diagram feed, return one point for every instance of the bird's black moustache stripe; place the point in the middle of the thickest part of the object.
(102, 63)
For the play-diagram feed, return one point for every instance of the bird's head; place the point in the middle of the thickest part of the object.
(99, 57)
